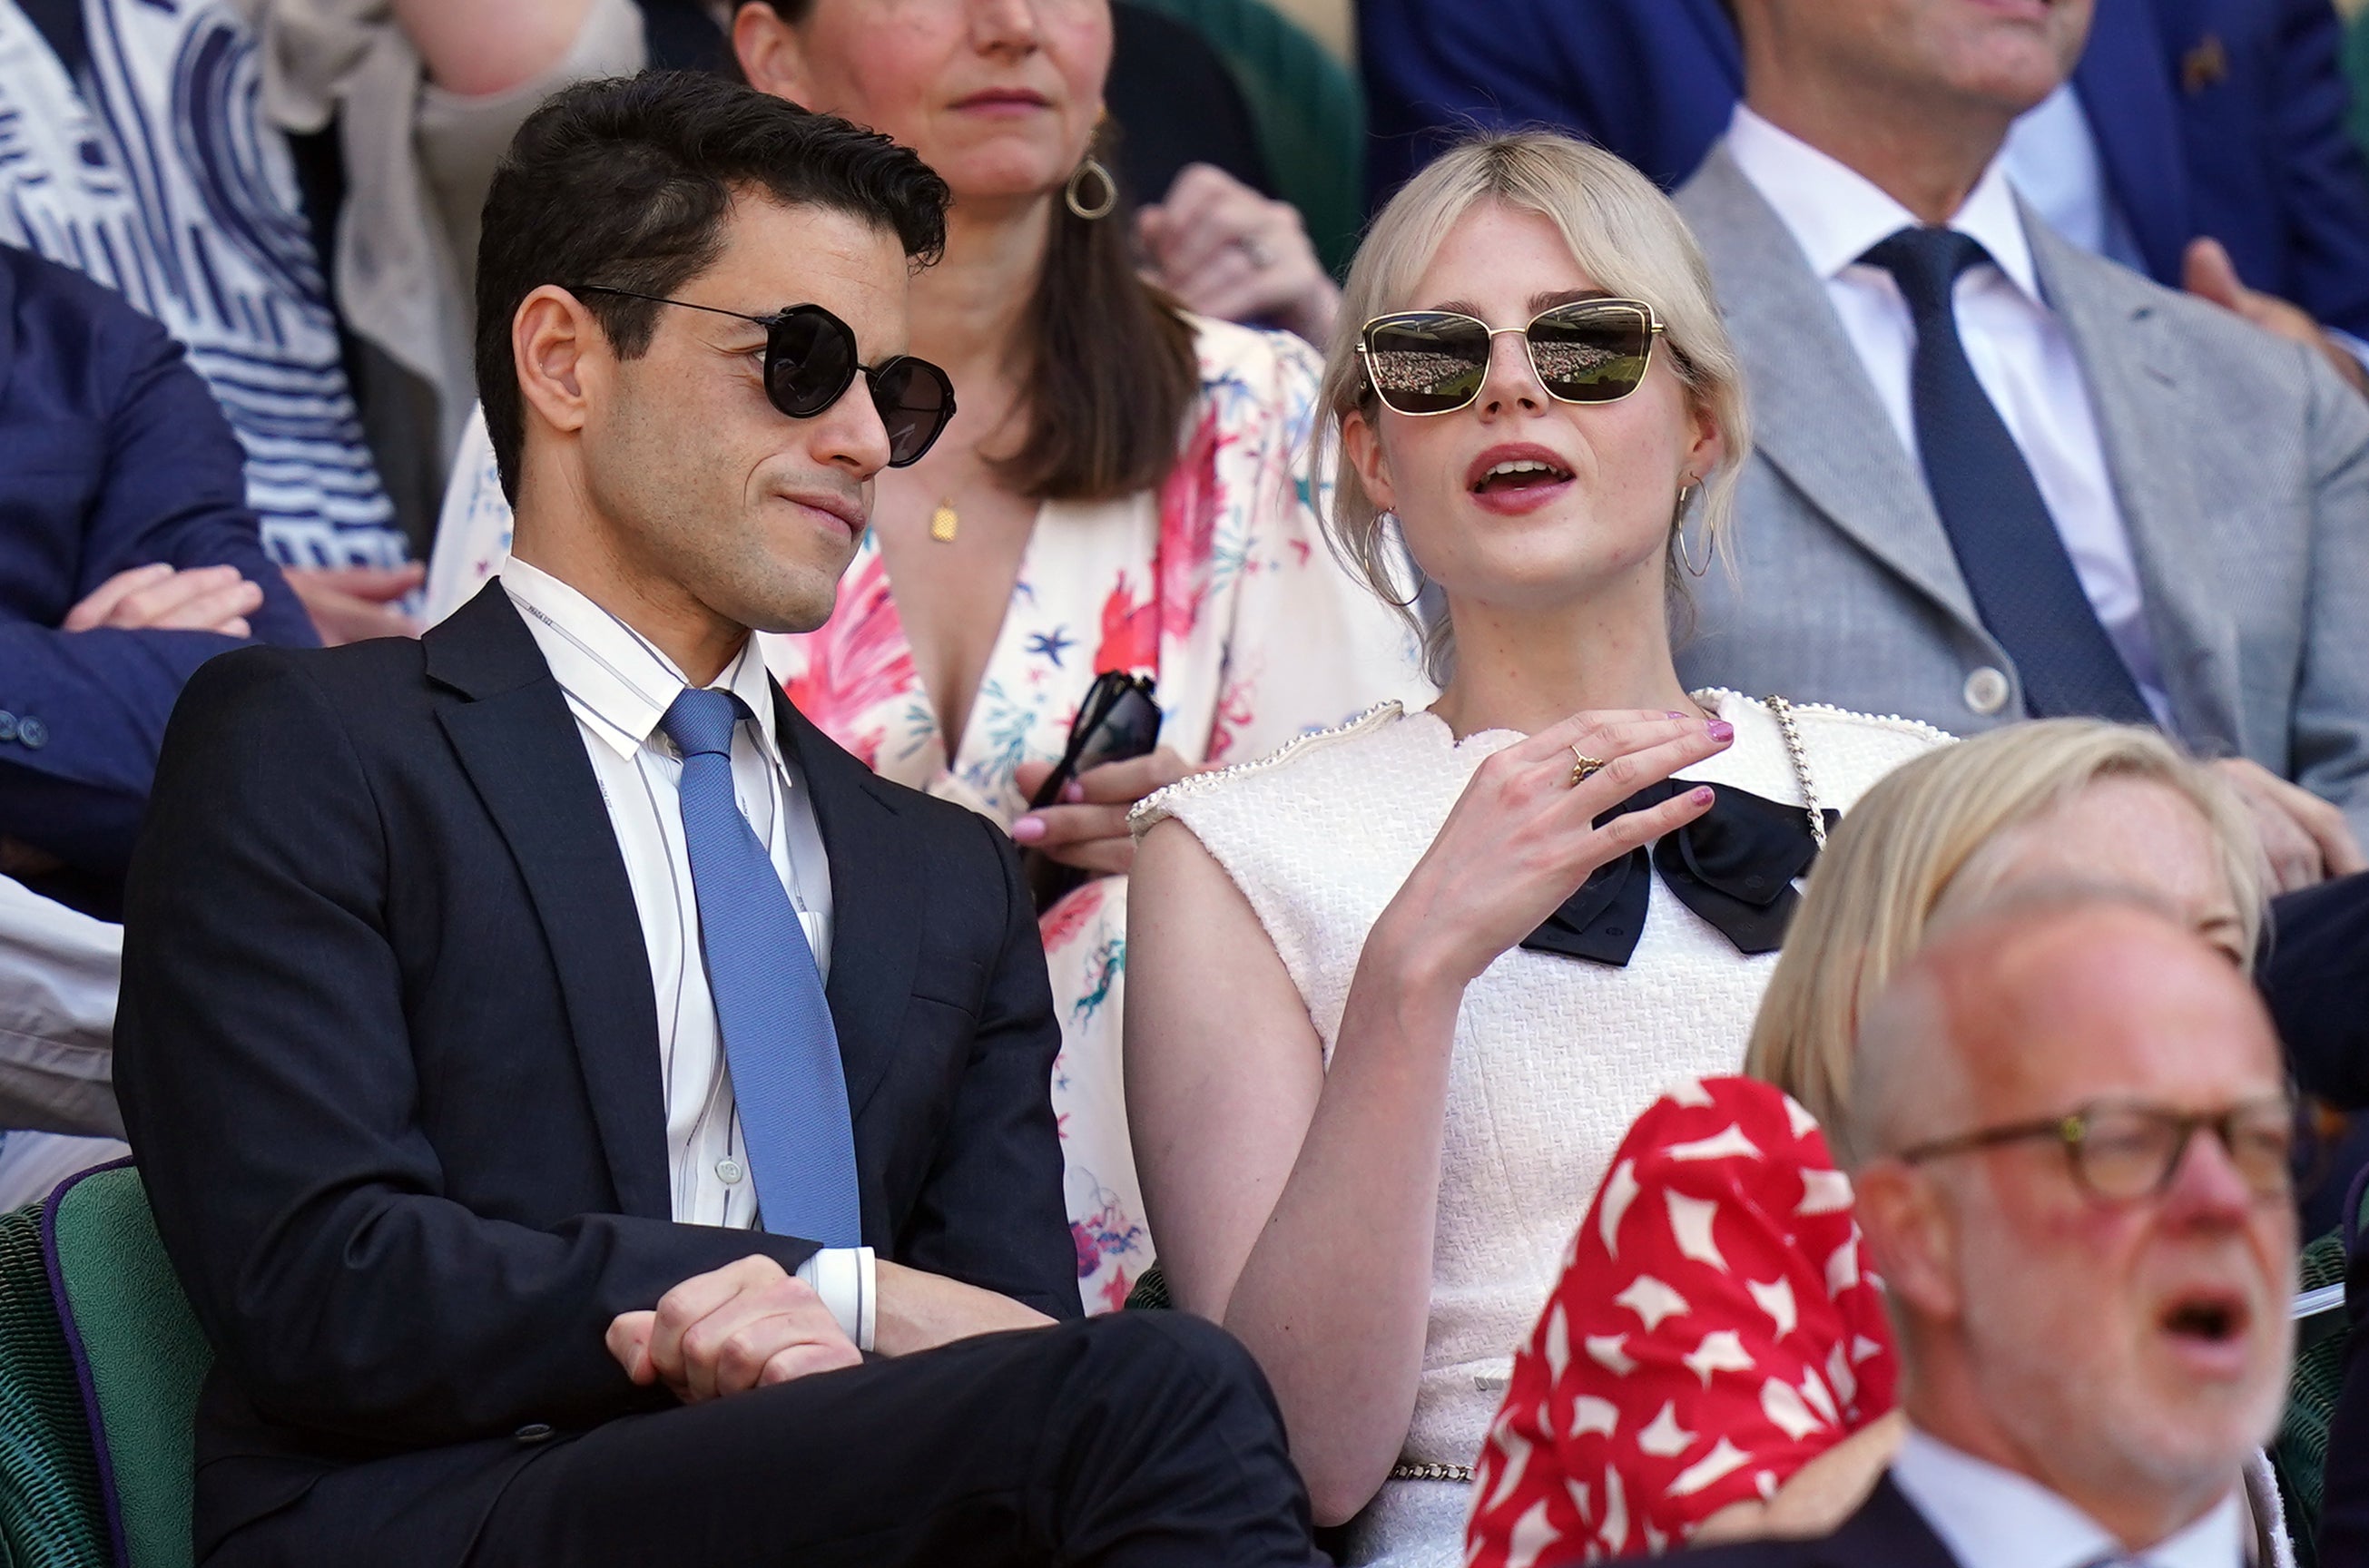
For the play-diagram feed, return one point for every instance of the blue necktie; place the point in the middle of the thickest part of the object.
(2007, 547)
(778, 1037)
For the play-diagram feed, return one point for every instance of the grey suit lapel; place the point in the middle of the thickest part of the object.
(2126, 352)
(1816, 417)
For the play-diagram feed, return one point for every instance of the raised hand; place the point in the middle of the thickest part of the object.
(1227, 251)
(1522, 837)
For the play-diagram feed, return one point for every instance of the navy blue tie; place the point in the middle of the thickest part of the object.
(2007, 547)
(778, 1036)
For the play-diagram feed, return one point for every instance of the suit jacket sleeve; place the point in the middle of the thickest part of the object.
(2330, 738)
(2326, 178)
(991, 1211)
(172, 489)
(268, 1079)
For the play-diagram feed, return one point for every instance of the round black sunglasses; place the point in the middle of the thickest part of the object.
(810, 361)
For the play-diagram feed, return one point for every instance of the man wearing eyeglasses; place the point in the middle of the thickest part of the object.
(595, 1120)
(2070, 1140)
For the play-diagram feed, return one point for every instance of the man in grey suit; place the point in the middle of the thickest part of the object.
(1995, 476)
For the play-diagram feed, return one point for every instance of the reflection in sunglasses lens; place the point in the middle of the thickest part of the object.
(1428, 370)
(1591, 355)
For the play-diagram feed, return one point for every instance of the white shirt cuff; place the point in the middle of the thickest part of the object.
(2349, 343)
(843, 1277)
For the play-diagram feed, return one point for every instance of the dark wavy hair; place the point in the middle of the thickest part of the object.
(1112, 372)
(627, 183)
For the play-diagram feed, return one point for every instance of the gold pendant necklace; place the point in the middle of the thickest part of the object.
(943, 522)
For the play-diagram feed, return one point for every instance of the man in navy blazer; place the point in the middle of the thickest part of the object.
(2212, 118)
(128, 558)
(597, 1121)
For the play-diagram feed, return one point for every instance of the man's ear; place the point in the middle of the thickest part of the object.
(1911, 1236)
(1361, 443)
(771, 55)
(560, 354)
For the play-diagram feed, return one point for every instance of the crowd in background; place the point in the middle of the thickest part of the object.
(1741, 925)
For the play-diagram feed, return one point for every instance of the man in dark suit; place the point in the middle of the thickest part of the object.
(2207, 118)
(555, 1065)
(2069, 1143)
(128, 558)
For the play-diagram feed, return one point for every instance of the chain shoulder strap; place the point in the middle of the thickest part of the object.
(1801, 757)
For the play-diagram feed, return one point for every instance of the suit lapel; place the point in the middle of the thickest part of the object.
(876, 881)
(1815, 416)
(2135, 388)
(522, 751)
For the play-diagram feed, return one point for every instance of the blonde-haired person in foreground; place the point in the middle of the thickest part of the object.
(1784, 1294)
(1395, 992)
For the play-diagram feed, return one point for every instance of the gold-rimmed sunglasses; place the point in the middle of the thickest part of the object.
(1434, 361)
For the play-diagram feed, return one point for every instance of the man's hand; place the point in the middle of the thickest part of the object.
(1227, 251)
(350, 604)
(746, 1325)
(2207, 272)
(2307, 839)
(159, 599)
(920, 1311)
(1088, 829)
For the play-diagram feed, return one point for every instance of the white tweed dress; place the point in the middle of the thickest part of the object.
(1554, 1056)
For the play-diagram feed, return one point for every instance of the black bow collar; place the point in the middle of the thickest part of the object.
(1734, 866)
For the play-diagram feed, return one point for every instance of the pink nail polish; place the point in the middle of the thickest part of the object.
(1701, 796)
(1721, 731)
(1028, 830)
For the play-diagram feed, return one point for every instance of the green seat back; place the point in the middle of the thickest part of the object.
(51, 1511)
(1310, 111)
(145, 1354)
(2299, 1453)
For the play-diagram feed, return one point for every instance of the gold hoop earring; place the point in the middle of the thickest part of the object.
(1071, 193)
(1679, 533)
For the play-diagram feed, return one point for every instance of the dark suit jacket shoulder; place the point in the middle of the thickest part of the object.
(1886, 1532)
(389, 1057)
(112, 455)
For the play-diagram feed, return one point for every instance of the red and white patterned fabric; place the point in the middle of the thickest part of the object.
(1716, 1328)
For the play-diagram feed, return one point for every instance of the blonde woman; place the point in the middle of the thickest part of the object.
(1395, 992)
(1787, 1433)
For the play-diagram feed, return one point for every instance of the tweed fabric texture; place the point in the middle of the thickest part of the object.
(1554, 1056)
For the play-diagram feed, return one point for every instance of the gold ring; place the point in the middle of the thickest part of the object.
(1585, 769)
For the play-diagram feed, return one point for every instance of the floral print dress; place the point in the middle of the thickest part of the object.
(1219, 585)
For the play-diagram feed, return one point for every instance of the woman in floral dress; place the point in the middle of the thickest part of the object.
(1124, 488)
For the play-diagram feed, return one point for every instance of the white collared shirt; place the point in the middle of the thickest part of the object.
(2053, 161)
(1991, 1518)
(2018, 347)
(619, 685)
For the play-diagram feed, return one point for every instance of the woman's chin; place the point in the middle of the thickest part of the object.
(998, 172)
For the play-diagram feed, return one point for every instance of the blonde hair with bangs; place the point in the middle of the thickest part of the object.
(1625, 234)
(1923, 836)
